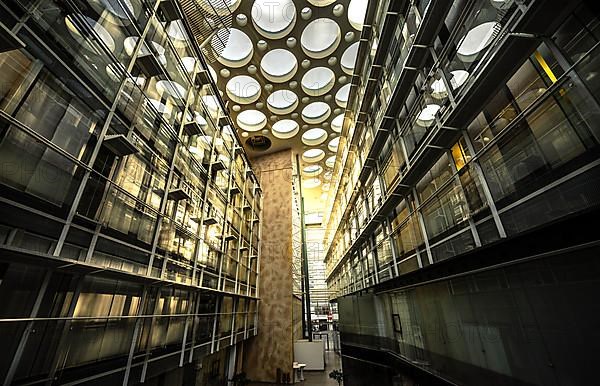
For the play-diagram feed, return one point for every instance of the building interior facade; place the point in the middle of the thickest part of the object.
(259, 192)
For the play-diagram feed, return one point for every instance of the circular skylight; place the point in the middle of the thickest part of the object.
(159, 107)
(330, 162)
(190, 64)
(333, 144)
(118, 11)
(459, 77)
(282, 102)
(321, 3)
(238, 50)
(75, 25)
(285, 129)
(312, 170)
(476, 40)
(349, 58)
(313, 155)
(427, 116)
(251, 120)
(211, 103)
(356, 13)
(316, 112)
(311, 183)
(318, 81)
(314, 137)
(279, 65)
(176, 30)
(274, 19)
(171, 88)
(341, 97)
(320, 38)
(243, 89)
(337, 123)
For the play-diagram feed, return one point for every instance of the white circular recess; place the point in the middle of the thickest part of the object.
(190, 64)
(243, 89)
(318, 81)
(330, 162)
(459, 77)
(320, 38)
(238, 50)
(176, 31)
(84, 35)
(356, 13)
(282, 102)
(316, 113)
(118, 11)
(321, 3)
(279, 65)
(476, 40)
(211, 103)
(341, 97)
(333, 144)
(314, 137)
(349, 58)
(312, 170)
(313, 155)
(427, 116)
(251, 120)
(285, 129)
(337, 123)
(274, 19)
(171, 88)
(219, 7)
(311, 183)
(159, 107)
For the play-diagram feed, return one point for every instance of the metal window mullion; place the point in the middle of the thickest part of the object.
(136, 332)
(149, 338)
(215, 321)
(194, 329)
(417, 211)
(456, 177)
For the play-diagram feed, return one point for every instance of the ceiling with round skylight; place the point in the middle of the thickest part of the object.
(285, 74)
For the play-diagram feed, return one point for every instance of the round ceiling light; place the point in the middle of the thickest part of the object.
(176, 30)
(171, 88)
(243, 89)
(356, 13)
(314, 137)
(279, 65)
(349, 58)
(320, 38)
(251, 120)
(316, 112)
(330, 162)
(321, 3)
(313, 155)
(118, 11)
(426, 117)
(318, 81)
(282, 102)
(78, 26)
(274, 20)
(238, 50)
(476, 40)
(285, 129)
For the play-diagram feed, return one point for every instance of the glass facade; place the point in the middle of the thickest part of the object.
(129, 214)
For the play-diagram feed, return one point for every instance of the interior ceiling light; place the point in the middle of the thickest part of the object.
(321, 3)
(316, 112)
(341, 97)
(238, 50)
(318, 81)
(282, 102)
(274, 19)
(356, 13)
(118, 11)
(251, 120)
(313, 155)
(427, 116)
(337, 123)
(285, 129)
(171, 88)
(320, 38)
(243, 89)
(176, 31)
(279, 65)
(349, 59)
(312, 170)
(476, 40)
(314, 137)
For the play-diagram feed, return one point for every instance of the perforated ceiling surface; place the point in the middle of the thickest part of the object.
(285, 72)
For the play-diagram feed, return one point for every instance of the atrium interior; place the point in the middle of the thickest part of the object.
(320, 192)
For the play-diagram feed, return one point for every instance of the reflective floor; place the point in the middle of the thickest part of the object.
(321, 378)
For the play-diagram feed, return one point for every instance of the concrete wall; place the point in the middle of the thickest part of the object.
(273, 347)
